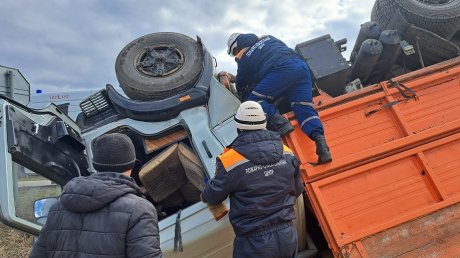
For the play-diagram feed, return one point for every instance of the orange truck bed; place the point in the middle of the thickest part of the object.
(393, 188)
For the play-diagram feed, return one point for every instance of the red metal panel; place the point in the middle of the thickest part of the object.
(393, 188)
(436, 106)
(446, 164)
(350, 131)
(355, 137)
(386, 193)
(363, 197)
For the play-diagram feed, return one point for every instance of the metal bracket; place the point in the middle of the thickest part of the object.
(407, 48)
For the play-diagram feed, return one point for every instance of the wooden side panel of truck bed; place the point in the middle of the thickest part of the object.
(393, 188)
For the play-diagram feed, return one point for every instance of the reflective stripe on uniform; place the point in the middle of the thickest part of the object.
(308, 119)
(231, 159)
(303, 104)
(287, 151)
(241, 53)
(261, 95)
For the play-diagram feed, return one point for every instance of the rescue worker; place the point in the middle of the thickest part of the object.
(105, 214)
(262, 178)
(276, 70)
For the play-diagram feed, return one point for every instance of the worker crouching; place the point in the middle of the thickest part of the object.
(268, 69)
(262, 178)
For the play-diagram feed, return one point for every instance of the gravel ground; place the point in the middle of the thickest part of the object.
(14, 243)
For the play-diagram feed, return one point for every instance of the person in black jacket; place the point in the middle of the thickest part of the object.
(262, 178)
(267, 70)
(105, 214)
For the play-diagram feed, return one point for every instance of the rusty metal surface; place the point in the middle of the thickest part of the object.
(435, 235)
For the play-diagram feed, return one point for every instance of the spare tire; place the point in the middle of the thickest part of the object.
(159, 65)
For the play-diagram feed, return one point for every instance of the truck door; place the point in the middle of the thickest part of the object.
(40, 151)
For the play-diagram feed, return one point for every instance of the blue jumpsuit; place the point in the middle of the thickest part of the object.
(276, 70)
(262, 178)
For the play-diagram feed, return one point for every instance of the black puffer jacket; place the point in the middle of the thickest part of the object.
(262, 178)
(102, 215)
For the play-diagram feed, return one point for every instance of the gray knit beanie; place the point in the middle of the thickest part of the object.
(113, 153)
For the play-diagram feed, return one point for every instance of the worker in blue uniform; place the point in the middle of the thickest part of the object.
(262, 178)
(268, 69)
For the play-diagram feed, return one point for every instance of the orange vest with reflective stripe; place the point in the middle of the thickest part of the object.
(230, 158)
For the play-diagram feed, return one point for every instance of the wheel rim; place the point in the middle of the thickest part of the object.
(160, 61)
(435, 2)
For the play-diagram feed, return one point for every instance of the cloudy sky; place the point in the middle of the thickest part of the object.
(62, 45)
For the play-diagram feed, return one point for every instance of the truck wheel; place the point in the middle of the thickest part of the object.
(456, 38)
(382, 12)
(374, 12)
(159, 65)
(439, 16)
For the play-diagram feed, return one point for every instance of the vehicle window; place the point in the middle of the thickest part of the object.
(28, 187)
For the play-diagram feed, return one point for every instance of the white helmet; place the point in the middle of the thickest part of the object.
(231, 43)
(250, 116)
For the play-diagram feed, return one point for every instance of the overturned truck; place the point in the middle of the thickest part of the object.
(393, 188)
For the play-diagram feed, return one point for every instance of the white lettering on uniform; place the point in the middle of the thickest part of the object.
(261, 167)
(259, 44)
(269, 172)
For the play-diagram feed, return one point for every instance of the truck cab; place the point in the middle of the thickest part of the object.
(42, 149)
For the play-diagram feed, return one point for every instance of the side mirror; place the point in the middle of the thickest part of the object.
(42, 208)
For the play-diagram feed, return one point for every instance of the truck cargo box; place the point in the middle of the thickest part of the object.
(393, 188)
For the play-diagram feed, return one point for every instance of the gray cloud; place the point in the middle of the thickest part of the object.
(62, 44)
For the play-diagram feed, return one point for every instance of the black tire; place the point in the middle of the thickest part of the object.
(159, 65)
(374, 12)
(456, 38)
(382, 12)
(441, 17)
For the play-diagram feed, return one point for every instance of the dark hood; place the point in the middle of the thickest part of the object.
(262, 147)
(246, 40)
(87, 194)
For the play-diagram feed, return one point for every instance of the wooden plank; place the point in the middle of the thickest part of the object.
(151, 145)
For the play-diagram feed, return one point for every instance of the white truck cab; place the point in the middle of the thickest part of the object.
(56, 149)
(42, 149)
(52, 146)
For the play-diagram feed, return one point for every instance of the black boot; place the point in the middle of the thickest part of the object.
(322, 150)
(279, 124)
